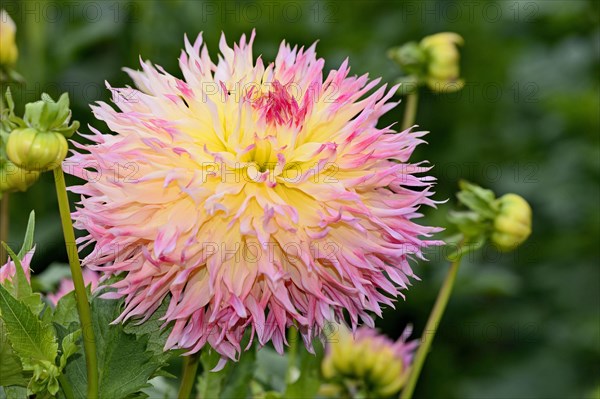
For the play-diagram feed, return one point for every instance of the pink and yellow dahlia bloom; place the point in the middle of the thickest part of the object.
(66, 285)
(253, 196)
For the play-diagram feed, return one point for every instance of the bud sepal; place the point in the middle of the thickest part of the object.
(38, 142)
(505, 221)
(432, 62)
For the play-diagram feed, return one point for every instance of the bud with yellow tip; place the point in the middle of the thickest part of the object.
(367, 363)
(505, 221)
(434, 61)
(8, 46)
(443, 69)
(512, 225)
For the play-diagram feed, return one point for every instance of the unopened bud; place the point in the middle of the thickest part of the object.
(512, 225)
(33, 150)
(373, 363)
(443, 70)
(505, 221)
(39, 143)
(13, 178)
(8, 47)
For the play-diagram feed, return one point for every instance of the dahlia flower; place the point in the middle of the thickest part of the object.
(254, 196)
(66, 285)
(367, 360)
(8, 270)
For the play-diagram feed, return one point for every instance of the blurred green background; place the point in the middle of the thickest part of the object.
(520, 325)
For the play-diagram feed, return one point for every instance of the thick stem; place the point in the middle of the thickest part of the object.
(430, 330)
(190, 367)
(410, 112)
(83, 306)
(5, 215)
(292, 354)
(66, 386)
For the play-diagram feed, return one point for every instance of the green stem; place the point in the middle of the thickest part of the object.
(410, 112)
(66, 386)
(430, 329)
(190, 367)
(292, 353)
(4, 226)
(83, 306)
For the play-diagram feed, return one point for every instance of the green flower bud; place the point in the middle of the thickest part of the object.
(47, 115)
(512, 225)
(505, 221)
(8, 46)
(33, 150)
(433, 61)
(366, 361)
(45, 377)
(13, 178)
(443, 70)
(39, 140)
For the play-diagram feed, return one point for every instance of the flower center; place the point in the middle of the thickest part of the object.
(278, 106)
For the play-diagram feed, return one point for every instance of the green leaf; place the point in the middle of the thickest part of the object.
(11, 369)
(15, 392)
(125, 364)
(76, 373)
(28, 240)
(69, 347)
(307, 385)
(29, 338)
(210, 383)
(66, 310)
(152, 328)
(271, 368)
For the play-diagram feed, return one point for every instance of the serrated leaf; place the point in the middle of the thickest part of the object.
(308, 383)
(69, 347)
(28, 240)
(157, 337)
(125, 364)
(11, 368)
(29, 338)
(66, 310)
(34, 302)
